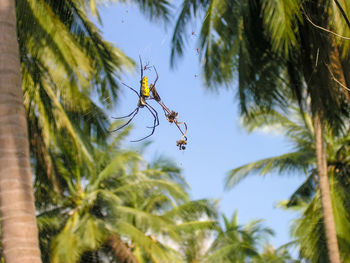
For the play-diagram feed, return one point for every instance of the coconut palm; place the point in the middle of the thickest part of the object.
(195, 244)
(278, 46)
(309, 230)
(306, 199)
(272, 255)
(124, 209)
(237, 243)
(16, 195)
(297, 128)
(93, 66)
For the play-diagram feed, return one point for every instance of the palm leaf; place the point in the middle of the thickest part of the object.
(189, 9)
(281, 19)
(285, 163)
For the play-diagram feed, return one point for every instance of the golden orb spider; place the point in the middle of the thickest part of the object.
(143, 95)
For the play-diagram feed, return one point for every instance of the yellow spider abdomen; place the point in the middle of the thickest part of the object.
(144, 87)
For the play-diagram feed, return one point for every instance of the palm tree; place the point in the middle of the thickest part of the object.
(194, 245)
(122, 209)
(278, 46)
(236, 243)
(309, 230)
(272, 255)
(93, 66)
(18, 227)
(297, 127)
(58, 79)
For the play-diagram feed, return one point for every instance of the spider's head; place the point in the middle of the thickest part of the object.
(142, 102)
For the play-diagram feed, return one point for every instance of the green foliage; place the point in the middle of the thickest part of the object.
(272, 255)
(95, 201)
(281, 19)
(296, 128)
(189, 9)
(65, 62)
(119, 208)
(279, 51)
(236, 243)
(273, 50)
(308, 230)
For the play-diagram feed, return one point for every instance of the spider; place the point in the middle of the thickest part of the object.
(143, 95)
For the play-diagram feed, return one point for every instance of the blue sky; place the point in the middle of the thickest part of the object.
(216, 142)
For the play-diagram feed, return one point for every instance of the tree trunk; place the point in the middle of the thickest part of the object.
(18, 224)
(331, 234)
(121, 250)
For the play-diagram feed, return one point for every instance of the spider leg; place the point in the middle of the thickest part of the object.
(132, 111)
(155, 115)
(153, 128)
(156, 77)
(132, 89)
(145, 136)
(118, 118)
(141, 67)
(155, 123)
(136, 111)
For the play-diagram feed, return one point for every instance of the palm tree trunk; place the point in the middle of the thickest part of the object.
(19, 235)
(121, 250)
(331, 235)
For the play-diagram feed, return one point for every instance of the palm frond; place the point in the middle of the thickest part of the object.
(167, 169)
(285, 163)
(281, 19)
(189, 9)
(151, 247)
(173, 189)
(115, 167)
(193, 210)
(304, 193)
(192, 226)
(340, 22)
